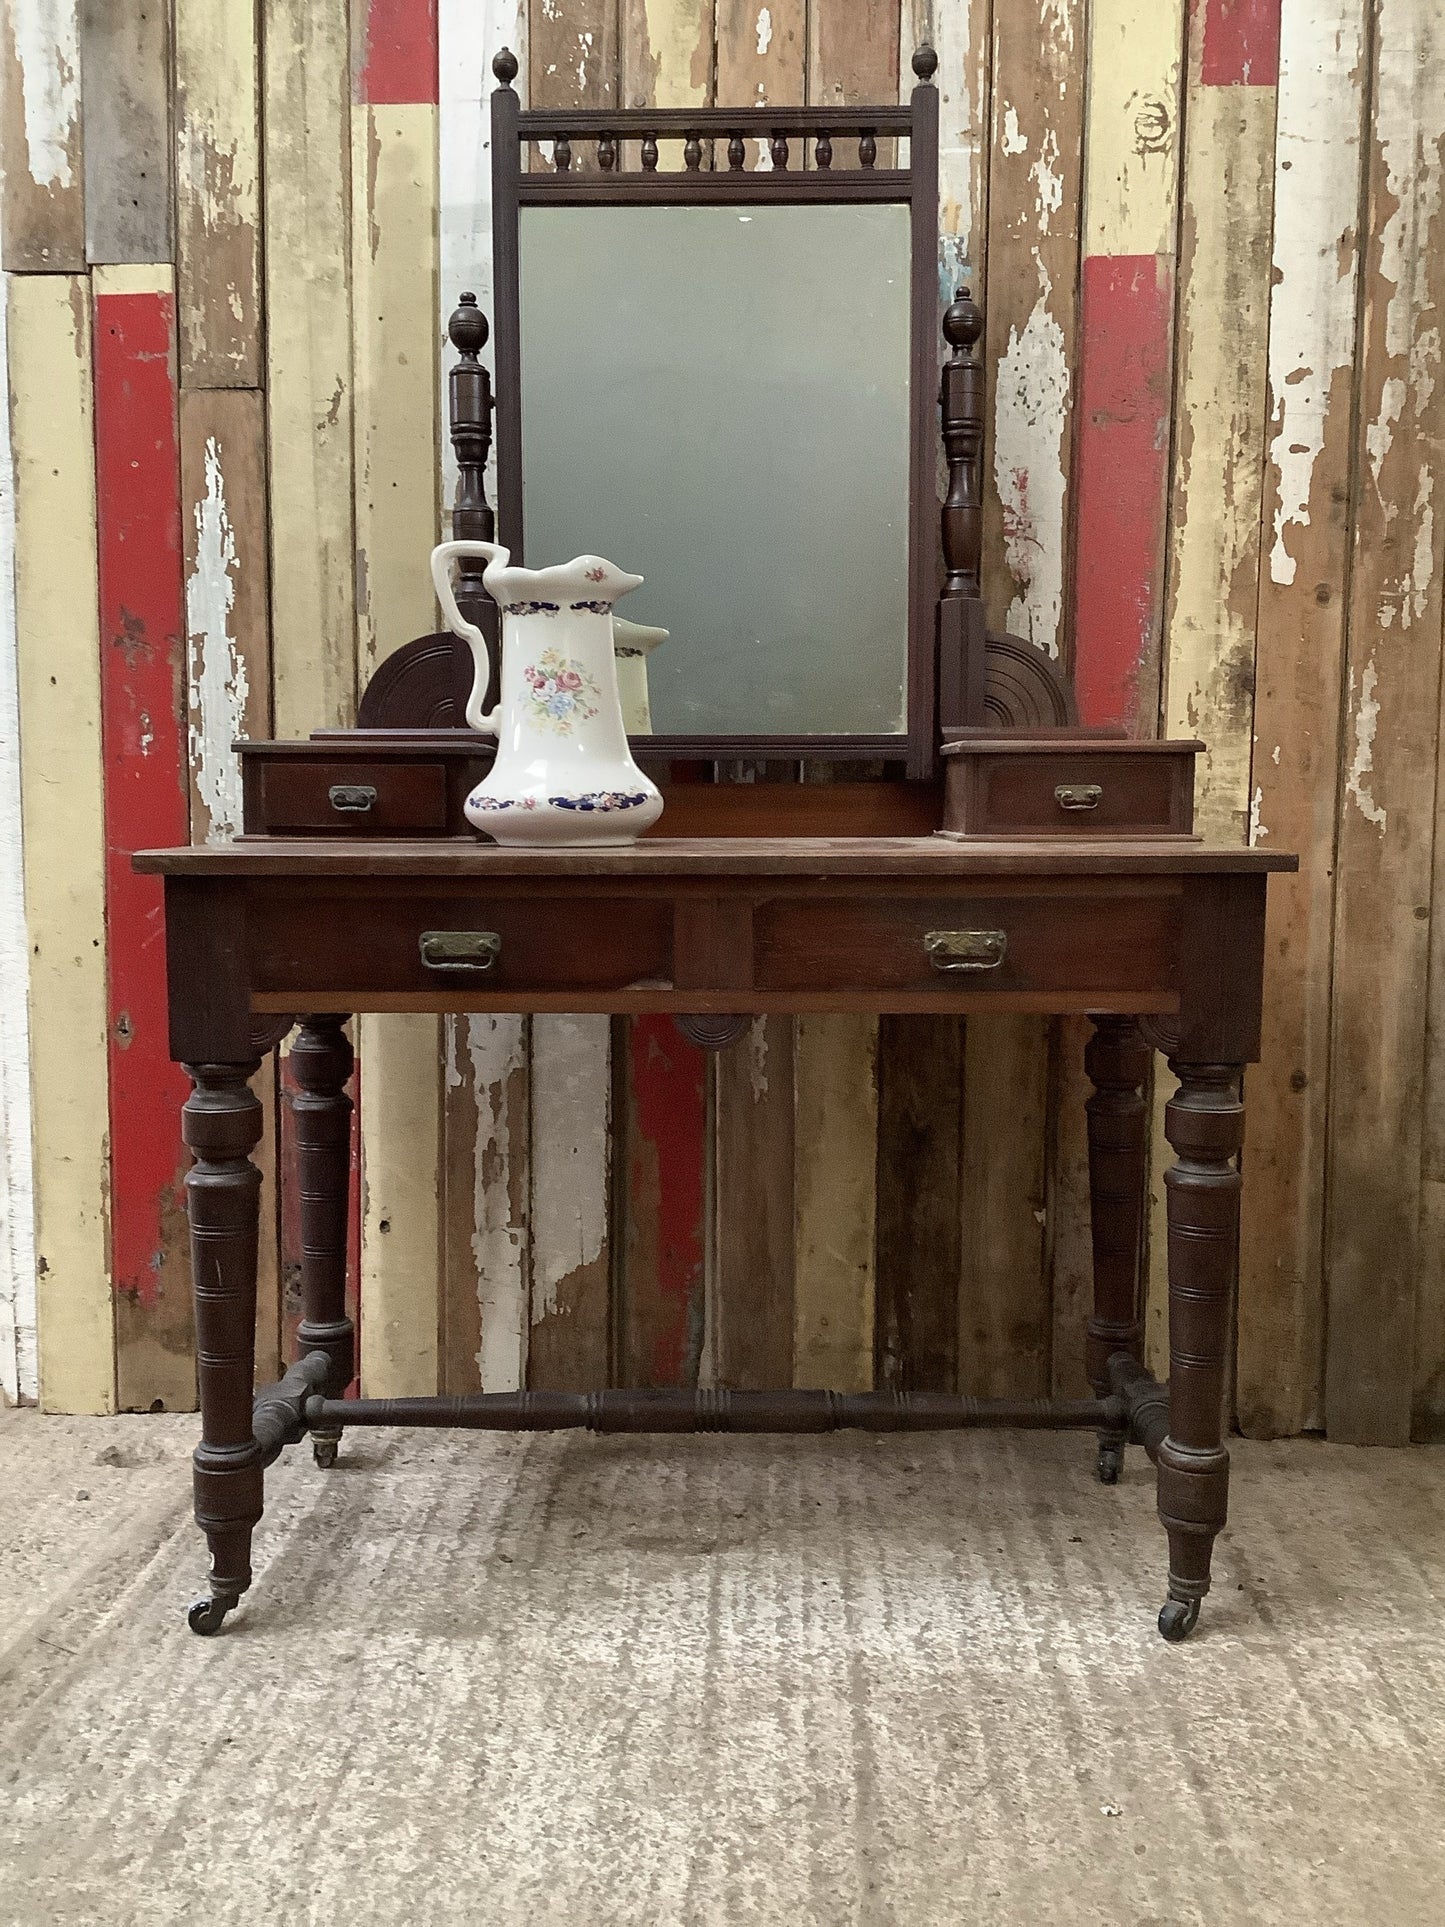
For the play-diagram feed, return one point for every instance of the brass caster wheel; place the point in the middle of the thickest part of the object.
(324, 1452)
(207, 1616)
(1110, 1464)
(1177, 1619)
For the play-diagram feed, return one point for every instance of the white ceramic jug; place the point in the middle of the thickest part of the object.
(563, 772)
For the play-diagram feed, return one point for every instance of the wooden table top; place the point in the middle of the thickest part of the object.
(763, 857)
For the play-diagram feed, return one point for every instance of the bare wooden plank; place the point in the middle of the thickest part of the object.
(1003, 1305)
(218, 195)
(920, 1144)
(753, 1313)
(568, 1344)
(852, 53)
(573, 54)
(1386, 824)
(762, 58)
(223, 521)
(146, 791)
(306, 80)
(62, 799)
(19, 1372)
(125, 54)
(1297, 706)
(834, 1163)
(42, 221)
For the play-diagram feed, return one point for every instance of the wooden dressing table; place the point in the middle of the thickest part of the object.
(324, 910)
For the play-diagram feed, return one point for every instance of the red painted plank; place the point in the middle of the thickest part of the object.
(1240, 45)
(399, 53)
(1121, 494)
(665, 1138)
(146, 786)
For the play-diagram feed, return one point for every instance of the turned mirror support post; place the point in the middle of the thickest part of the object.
(961, 633)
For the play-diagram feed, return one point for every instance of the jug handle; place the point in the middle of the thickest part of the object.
(441, 575)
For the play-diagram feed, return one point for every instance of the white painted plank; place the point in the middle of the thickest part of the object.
(18, 1367)
(571, 1130)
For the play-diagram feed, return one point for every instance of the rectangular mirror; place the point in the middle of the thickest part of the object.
(718, 397)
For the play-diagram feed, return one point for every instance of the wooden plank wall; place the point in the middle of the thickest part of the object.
(1210, 244)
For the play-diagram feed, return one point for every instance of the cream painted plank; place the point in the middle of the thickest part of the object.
(40, 136)
(569, 1342)
(307, 77)
(218, 193)
(59, 686)
(19, 1375)
(1297, 709)
(1132, 152)
(835, 1158)
(1387, 845)
(394, 300)
(665, 60)
(400, 1206)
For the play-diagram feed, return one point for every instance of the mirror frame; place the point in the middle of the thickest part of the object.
(616, 136)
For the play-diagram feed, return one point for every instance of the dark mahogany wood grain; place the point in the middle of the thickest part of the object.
(291, 796)
(996, 789)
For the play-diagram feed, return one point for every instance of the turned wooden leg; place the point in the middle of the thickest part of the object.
(221, 1123)
(1117, 1062)
(1205, 1126)
(321, 1061)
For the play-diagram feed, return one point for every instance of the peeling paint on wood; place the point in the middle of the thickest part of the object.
(571, 1125)
(752, 1323)
(757, 68)
(959, 33)
(485, 1288)
(19, 1374)
(40, 136)
(1389, 858)
(397, 51)
(661, 1137)
(400, 1207)
(218, 210)
(62, 798)
(143, 670)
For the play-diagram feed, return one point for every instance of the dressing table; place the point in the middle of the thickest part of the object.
(991, 856)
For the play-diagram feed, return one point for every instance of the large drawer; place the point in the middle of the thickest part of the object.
(449, 944)
(1077, 944)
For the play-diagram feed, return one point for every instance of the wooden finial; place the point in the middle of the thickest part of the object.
(925, 63)
(961, 402)
(504, 66)
(469, 389)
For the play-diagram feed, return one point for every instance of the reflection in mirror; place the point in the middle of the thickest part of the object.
(717, 398)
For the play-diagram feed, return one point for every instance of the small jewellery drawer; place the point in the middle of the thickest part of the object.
(496, 945)
(1101, 788)
(1091, 942)
(344, 797)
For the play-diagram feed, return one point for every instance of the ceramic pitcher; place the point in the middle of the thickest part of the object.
(563, 772)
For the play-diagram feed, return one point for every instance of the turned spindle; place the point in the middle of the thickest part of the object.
(469, 389)
(961, 402)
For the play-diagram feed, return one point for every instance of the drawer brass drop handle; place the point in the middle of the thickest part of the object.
(966, 949)
(351, 798)
(1078, 796)
(474, 950)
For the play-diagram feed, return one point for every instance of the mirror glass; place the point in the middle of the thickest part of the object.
(717, 398)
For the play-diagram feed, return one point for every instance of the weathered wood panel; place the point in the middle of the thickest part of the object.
(569, 1340)
(126, 67)
(62, 798)
(19, 1374)
(394, 190)
(42, 220)
(142, 670)
(1300, 643)
(306, 82)
(1387, 806)
(960, 32)
(834, 1163)
(753, 1259)
(218, 192)
(486, 1303)
(762, 58)
(661, 1151)
(920, 1146)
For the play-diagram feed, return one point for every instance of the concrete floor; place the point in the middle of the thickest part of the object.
(696, 1680)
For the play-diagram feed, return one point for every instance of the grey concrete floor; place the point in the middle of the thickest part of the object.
(823, 1680)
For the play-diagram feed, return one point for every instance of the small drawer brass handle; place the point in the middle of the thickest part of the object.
(351, 798)
(474, 950)
(1078, 796)
(966, 949)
